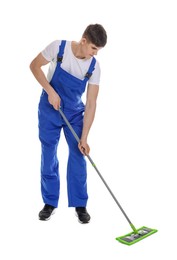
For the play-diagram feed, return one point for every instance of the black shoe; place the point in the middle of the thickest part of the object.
(82, 215)
(46, 212)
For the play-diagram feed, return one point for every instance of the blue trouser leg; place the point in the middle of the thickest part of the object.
(76, 171)
(50, 180)
(49, 133)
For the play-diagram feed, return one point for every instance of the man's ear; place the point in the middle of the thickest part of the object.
(83, 41)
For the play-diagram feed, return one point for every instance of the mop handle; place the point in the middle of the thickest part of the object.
(93, 164)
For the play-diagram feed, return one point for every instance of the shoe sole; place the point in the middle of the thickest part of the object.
(45, 219)
(81, 222)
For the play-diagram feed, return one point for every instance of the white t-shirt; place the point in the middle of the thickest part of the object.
(71, 64)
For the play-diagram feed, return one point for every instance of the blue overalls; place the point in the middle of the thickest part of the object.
(70, 90)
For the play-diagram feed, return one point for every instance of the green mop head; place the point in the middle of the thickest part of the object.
(133, 237)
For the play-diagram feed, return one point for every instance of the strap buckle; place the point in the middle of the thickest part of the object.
(59, 59)
(88, 75)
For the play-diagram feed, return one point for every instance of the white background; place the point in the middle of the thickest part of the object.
(133, 139)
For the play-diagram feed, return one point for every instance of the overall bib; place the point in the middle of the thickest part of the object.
(70, 90)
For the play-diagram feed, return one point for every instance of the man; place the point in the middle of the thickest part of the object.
(73, 69)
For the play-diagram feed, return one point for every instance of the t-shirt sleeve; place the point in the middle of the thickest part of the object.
(50, 52)
(95, 78)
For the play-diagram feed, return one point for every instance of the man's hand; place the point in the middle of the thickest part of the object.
(54, 99)
(84, 147)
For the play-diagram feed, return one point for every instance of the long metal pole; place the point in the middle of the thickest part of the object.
(93, 164)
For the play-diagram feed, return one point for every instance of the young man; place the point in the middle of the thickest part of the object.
(73, 68)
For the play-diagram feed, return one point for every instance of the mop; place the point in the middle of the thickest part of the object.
(137, 234)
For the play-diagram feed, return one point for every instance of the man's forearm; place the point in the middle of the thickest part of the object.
(41, 78)
(89, 115)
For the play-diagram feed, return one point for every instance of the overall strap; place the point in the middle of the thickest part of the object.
(61, 51)
(91, 69)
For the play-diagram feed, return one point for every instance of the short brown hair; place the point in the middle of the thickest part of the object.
(96, 34)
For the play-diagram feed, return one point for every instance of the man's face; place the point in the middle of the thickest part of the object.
(89, 49)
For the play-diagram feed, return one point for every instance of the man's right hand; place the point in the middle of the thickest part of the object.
(54, 99)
